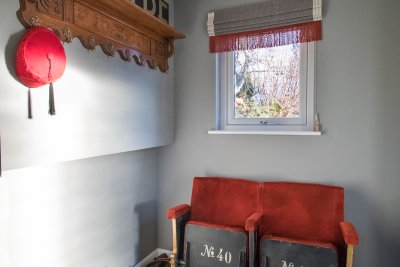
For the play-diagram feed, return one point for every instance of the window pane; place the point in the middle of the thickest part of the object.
(267, 83)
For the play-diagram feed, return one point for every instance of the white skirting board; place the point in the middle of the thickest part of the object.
(157, 252)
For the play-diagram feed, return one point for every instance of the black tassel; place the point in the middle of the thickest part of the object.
(52, 107)
(29, 105)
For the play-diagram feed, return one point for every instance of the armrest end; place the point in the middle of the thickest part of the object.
(253, 222)
(349, 233)
(178, 211)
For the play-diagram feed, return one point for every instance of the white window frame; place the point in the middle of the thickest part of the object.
(225, 120)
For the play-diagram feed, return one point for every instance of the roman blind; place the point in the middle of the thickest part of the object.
(266, 24)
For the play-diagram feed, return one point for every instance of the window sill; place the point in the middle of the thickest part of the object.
(224, 132)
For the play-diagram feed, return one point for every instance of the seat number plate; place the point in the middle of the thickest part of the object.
(222, 255)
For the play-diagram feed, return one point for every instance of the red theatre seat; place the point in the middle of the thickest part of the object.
(219, 226)
(303, 225)
(235, 222)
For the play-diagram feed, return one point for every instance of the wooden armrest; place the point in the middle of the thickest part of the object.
(253, 222)
(178, 211)
(349, 233)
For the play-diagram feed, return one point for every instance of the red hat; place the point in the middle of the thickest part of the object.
(40, 60)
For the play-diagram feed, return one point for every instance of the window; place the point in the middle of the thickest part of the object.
(267, 89)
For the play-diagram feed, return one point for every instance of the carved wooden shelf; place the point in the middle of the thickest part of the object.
(115, 25)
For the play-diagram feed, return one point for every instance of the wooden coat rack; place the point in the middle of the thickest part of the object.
(115, 25)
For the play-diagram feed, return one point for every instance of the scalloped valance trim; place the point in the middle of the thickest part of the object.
(300, 33)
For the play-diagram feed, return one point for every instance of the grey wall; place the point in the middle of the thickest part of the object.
(91, 212)
(358, 91)
(94, 212)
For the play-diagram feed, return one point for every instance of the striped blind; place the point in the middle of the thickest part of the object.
(266, 24)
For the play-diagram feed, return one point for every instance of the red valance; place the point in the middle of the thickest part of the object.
(285, 35)
(266, 24)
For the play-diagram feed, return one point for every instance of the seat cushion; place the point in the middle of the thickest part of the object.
(214, 245)
(283, 251)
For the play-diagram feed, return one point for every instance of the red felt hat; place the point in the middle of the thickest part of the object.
(40, 60)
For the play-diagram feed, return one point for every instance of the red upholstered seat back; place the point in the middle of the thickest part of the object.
(224, 201)
(297, 210)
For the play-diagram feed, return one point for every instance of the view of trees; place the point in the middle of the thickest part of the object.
(267, 82)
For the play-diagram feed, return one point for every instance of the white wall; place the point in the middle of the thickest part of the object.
(95, 212)
(104, 105)
(358, 91)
